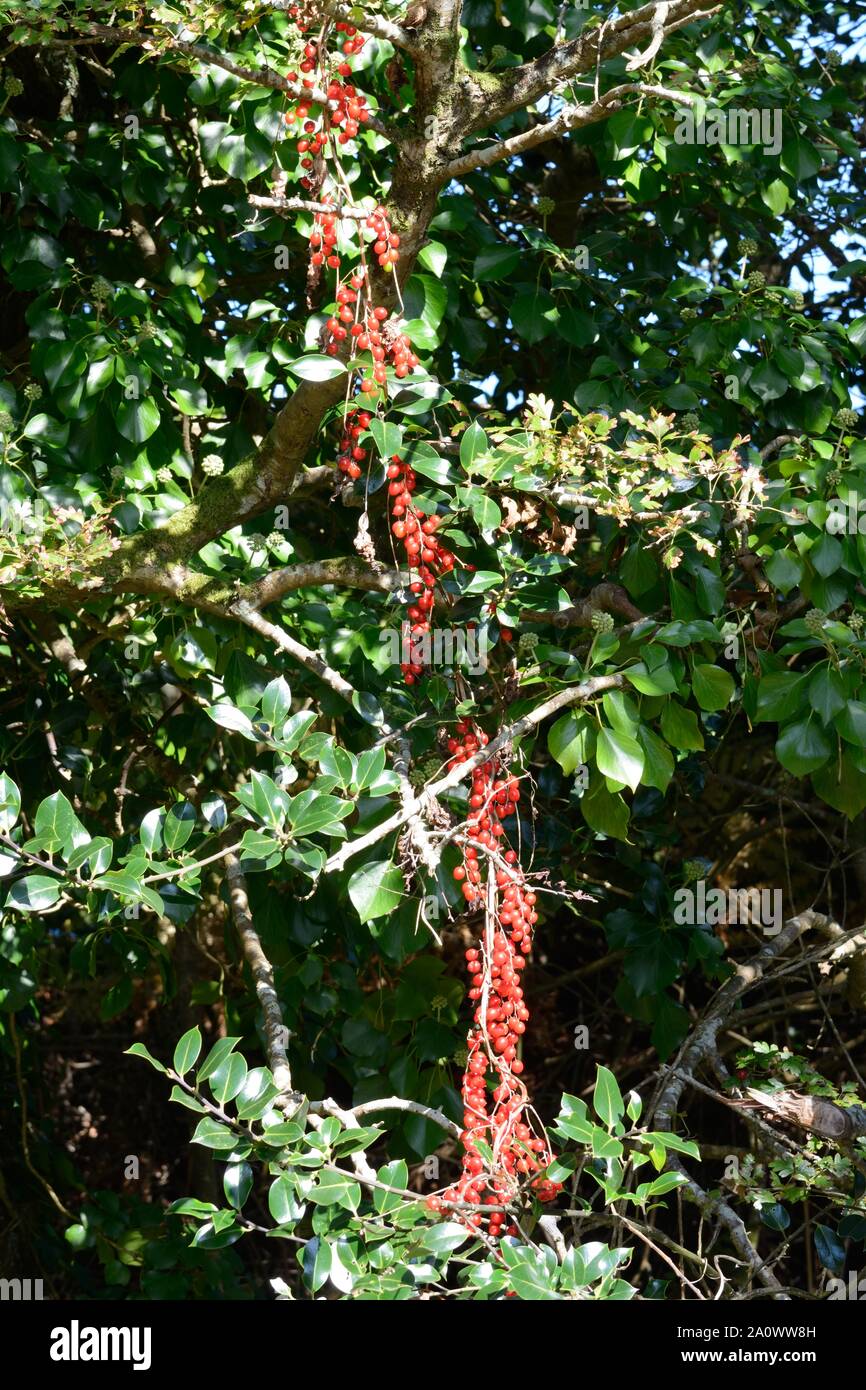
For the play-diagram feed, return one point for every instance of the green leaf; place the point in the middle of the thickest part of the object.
(237, 1183)
(138, 420)
(228, 716)
(376, 890)
(139, 1050)
(620, 757)
(445, 1238)
(605, 811)
(394, 1174)
(829, 1248)
(473, 443)
(388, 437)
(186, 1054)
(178, 825)
(780, 696)
(827, 694)
(95, 854)
(312, 811)
(607, 1101)
(256, 1094)
(842, 785)
(826, 555)
(336, 1189)
(776, 196)
(851, 723)
(283, 1203)
(276, 702)
(568, 742)
(680, 727)
(784, 569)
(803, 747)
(10, 803)
(317, 1263)
(35, 893)
(712, 686)
(227, 1079)
(496, 262)
(56, 822)
(220, 1050)
(317, 367)
(658, 761)
(533, 314)
(244, 155)
(212, 1135)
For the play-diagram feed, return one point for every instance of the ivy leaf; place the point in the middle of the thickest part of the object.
(803, 747)
(138, 420)
(712, 686)
(376, 890)
(605, 811)
(620, 757)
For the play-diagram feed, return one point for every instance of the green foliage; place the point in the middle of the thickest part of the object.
(636, 416)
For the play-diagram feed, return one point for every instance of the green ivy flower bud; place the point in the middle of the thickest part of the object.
(834, 477)
(6, 422)
(274, 539)
(757, 280)
(13, 86)
(747, 246)
(117, 474)
(833, 58)
(32, 391)
(545, 206)
(815, 620)
(602, 622)
(498, 53)
(257, 541)
(164, 475)
(692, 870)
(101, 290)
(212, 465)
(798, 299)
(855, 622)
(527, 642)
(687, 313)
(147, 331)
(846, 419)
(689, 422)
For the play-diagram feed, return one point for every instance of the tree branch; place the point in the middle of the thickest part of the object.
(564, 699)
(522, 86)
(276, 1034)
(570, 118)
(349, 572)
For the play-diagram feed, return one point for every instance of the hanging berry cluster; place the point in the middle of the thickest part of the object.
(353, 453)
(328, 113)
(426, 556)
(495, 1115)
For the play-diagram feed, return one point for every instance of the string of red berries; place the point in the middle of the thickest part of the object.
(495, 1099)
(426, 557)
(352, 453)
(386, 247)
